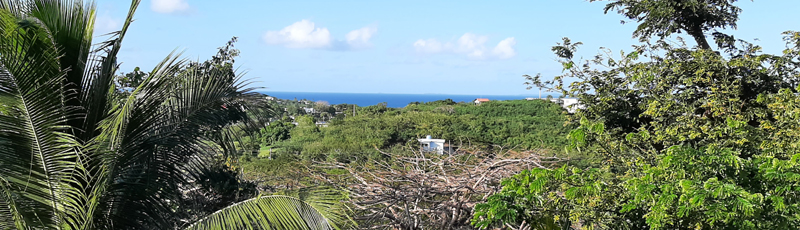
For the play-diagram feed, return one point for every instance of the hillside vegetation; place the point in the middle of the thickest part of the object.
(519, 124)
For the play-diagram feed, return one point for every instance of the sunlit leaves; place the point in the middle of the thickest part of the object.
(688, 139)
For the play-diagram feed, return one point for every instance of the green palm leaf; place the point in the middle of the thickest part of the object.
(71, 159)
(267, 212)
(328, 201)
(36, 154)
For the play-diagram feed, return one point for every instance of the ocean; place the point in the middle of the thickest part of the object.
(392, 100)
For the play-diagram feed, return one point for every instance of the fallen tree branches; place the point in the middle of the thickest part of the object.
(411, 190)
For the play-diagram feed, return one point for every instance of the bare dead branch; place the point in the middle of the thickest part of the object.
(427, 191)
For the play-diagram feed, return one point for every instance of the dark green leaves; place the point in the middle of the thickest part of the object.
(684, 138)
(663, 18)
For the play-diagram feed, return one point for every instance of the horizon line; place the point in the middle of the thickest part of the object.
(483, 95)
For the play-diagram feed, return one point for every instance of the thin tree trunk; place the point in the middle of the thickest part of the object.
(699, 37)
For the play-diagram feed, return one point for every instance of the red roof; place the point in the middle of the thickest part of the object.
(482, 100)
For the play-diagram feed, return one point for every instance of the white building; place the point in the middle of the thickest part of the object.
(570, 104)
(431, 145)
(309, 110)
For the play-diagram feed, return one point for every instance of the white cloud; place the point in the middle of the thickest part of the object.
(505, 49)
(360, 38)
(471, 45)
(104, 24)
(169, 6)
(302, 34)
(428, 46)
(471, 42)
(305, 34)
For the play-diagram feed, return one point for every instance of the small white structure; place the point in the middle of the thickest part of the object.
(309, 110)
(431, 145)
(570, 104)
(269, 98)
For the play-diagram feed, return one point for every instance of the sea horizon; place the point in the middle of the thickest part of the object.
(393, 100)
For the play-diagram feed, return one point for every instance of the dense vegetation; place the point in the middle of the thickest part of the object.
(375, 156)
(668, 137)
(81, 148)
(687, 137)
(537, 124)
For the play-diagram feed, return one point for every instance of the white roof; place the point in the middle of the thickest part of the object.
(431, 140)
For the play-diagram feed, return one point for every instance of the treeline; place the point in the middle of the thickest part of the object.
(537, 124)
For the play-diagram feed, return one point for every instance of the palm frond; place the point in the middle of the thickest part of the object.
(267, 212)
(10, 216)
(36, 154)
(98, 77)
(70, 24)
(141, 166)
(158, 134)
(328, 201)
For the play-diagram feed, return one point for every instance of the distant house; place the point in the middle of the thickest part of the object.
(309, 110)
(570, 104)
(431, 145)
(478, 101)
(269, 98)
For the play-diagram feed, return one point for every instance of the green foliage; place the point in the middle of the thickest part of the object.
(685, 139)
(663, 18)
(510, 124)
(276, 131)
(73, 157)
(217, 187)
(131, 80)
(514, 124)
(267, 212)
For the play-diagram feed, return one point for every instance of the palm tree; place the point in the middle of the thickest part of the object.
(74, 157)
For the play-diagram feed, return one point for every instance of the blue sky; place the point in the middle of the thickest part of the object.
(410, 46)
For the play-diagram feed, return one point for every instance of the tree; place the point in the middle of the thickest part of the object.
(685, 139)
(129, 81)
(321, 106)
(663, 18)
(276, 131)
(72, 158)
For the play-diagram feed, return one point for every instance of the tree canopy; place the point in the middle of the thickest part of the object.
(685, 139)
(663, 18)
